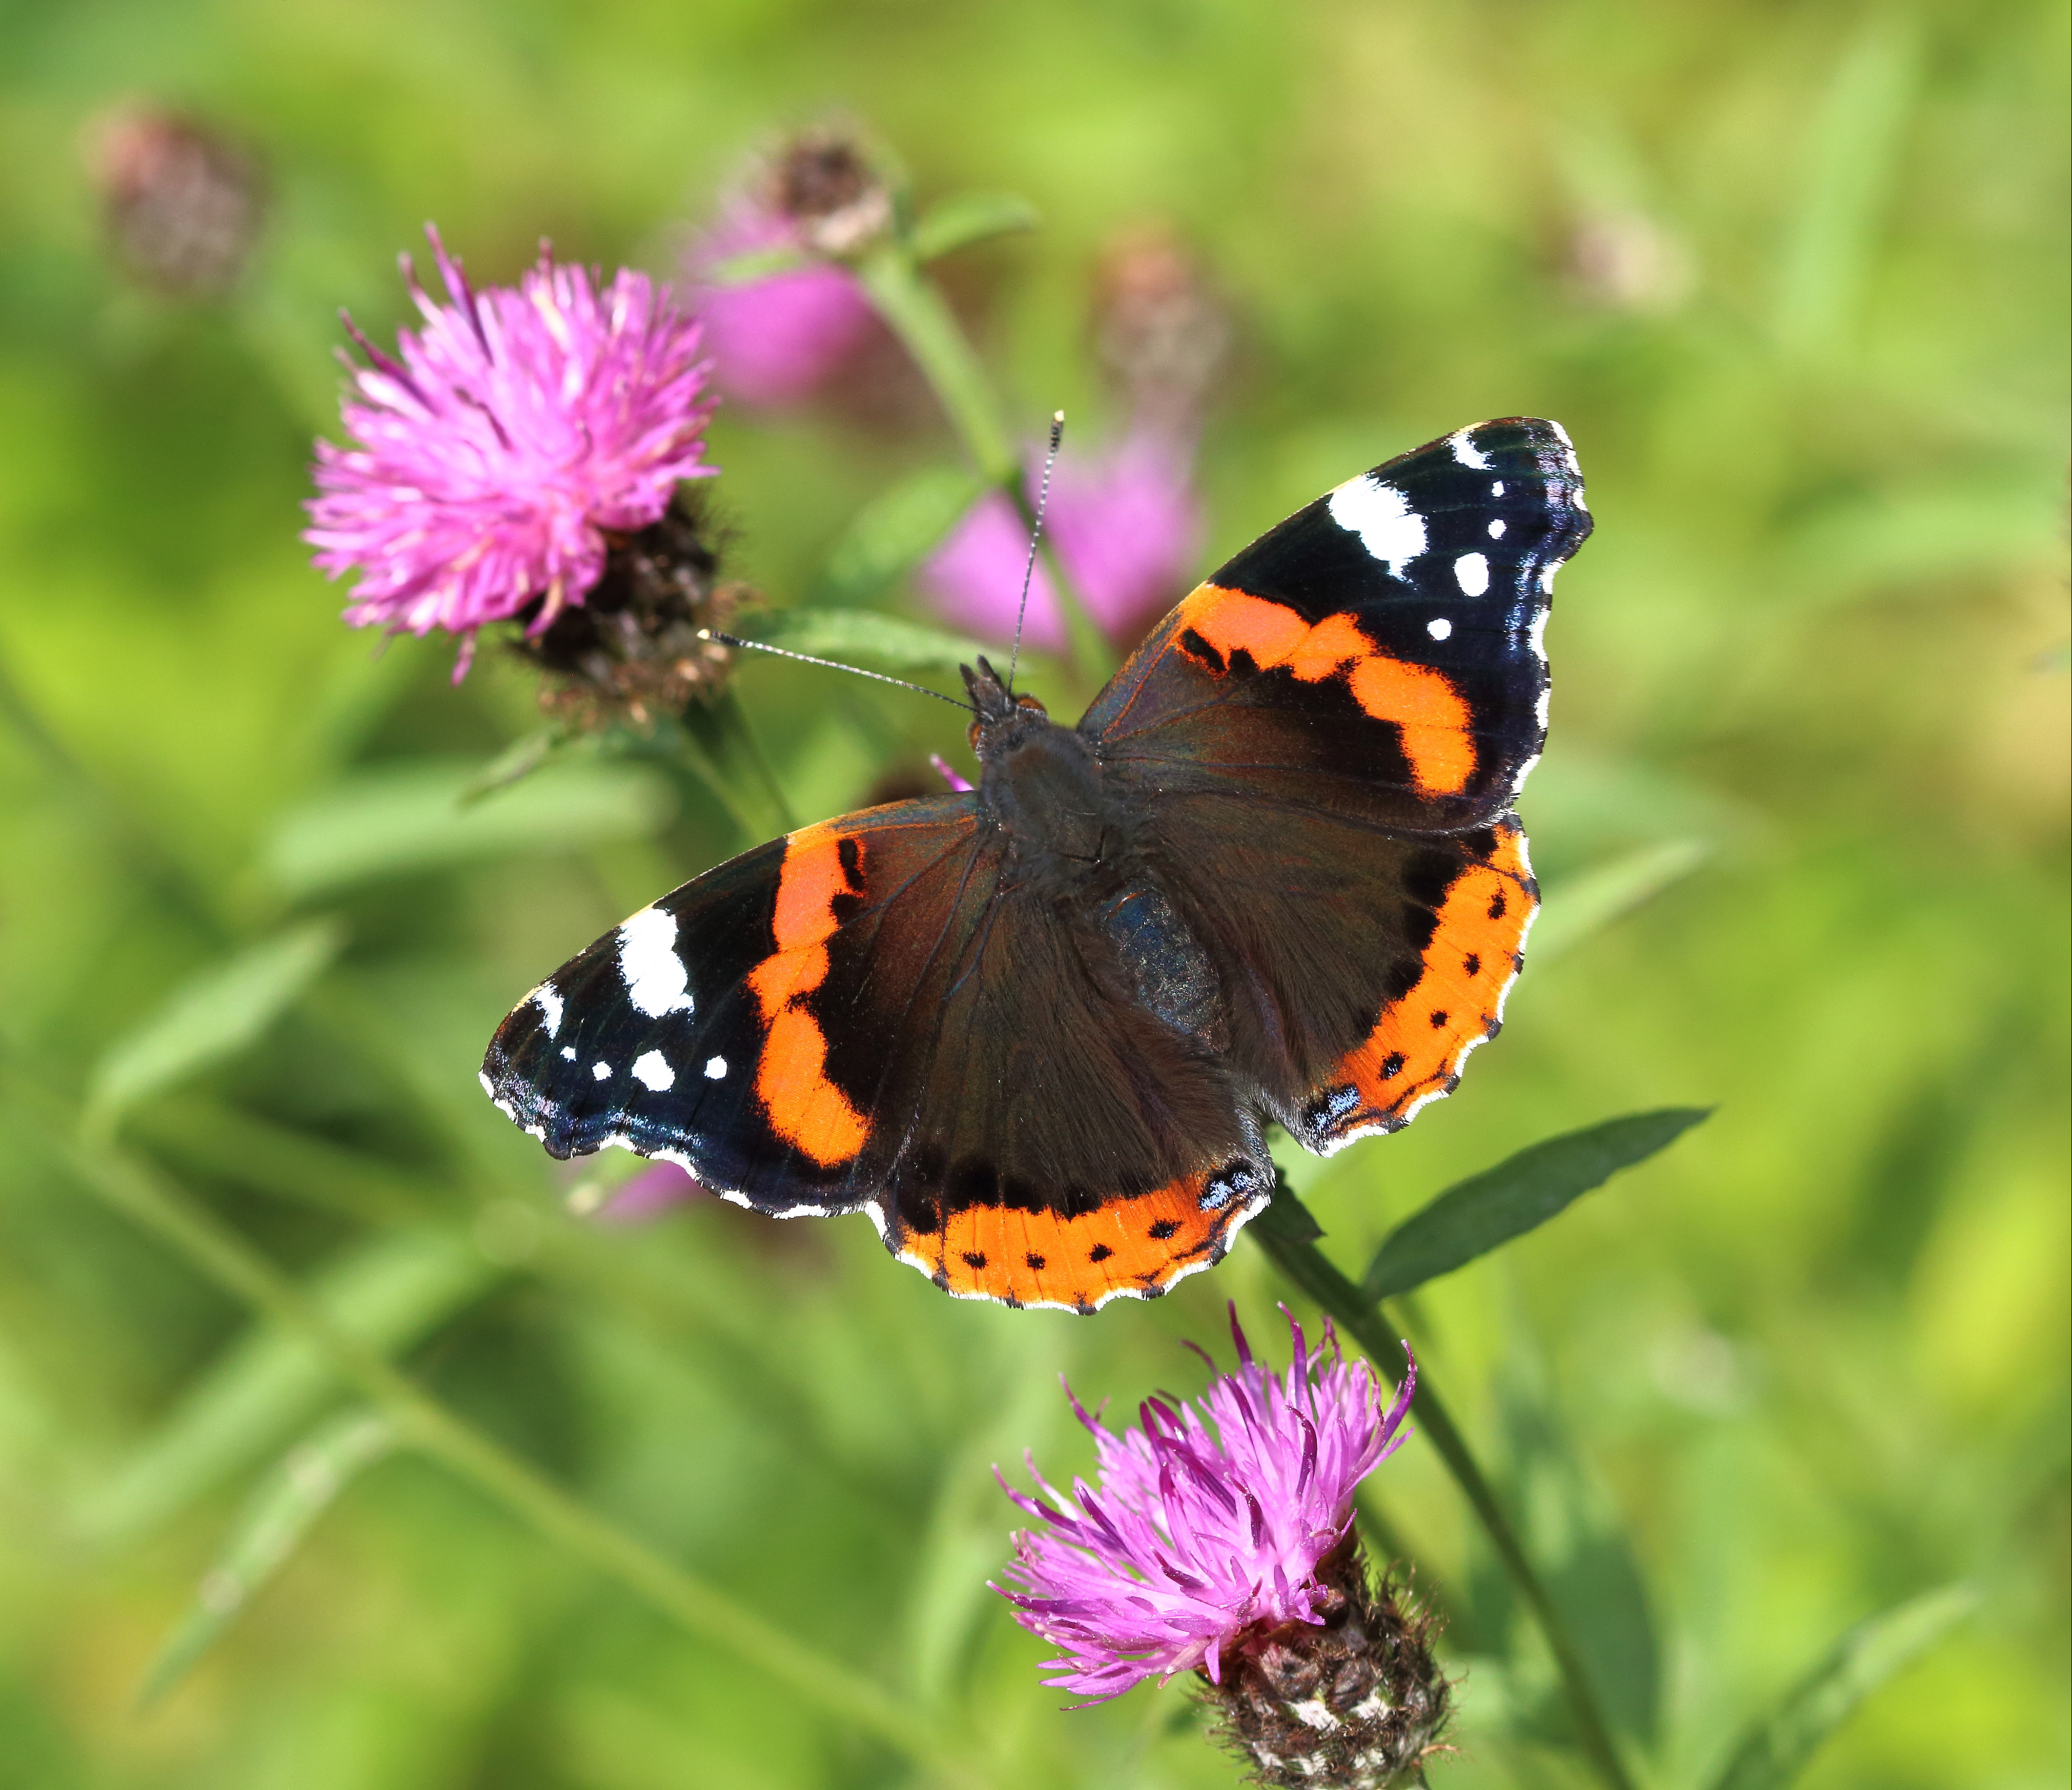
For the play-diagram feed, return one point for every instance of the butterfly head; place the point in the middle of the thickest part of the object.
(1004, 719)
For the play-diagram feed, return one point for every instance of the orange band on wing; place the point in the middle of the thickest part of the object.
(1417, 1046)
(1135, 1246)
(803, 1106)
(1428, 711)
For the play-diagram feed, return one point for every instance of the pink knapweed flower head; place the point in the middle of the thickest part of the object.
(1126, 526)
(660, 1187)
(1208, 1522)
(777, 339)
(510, 434)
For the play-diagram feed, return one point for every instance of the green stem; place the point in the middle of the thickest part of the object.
(913, 308)
(1306, 1265)
(723, 752)
(702, 1610)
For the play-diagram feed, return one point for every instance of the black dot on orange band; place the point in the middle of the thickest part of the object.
(974, 1258)
(1100, 1252)
(1438, 1018)
(1392, 1066)
(1165, 1228)
(1473, 964)
(1497, 905)
(1034, 1261)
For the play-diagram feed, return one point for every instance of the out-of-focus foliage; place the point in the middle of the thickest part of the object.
(1795, 278)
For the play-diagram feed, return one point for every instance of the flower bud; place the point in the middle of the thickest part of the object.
(183, 203)
(1162, 333)
(824, 182)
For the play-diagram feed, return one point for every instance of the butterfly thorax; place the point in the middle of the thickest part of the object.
(1041, 784)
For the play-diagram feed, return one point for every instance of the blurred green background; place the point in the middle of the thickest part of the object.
(1795, 277)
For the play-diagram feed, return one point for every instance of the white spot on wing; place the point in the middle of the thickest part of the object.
(600, 1071)
(1439, 627)
(568, 1053)
(653, 1070)
(656, 982)
(715, 1069)
(549, 1003)
(1471, 572)
(1467, 453)
(1496, 490)
(1382, 517)
(1496, 530)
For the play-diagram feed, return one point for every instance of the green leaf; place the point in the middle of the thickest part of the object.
(1287, 1220)
(280, 1511)
(758, 264)
(1777, 1746)
(215, 1015)
(892, 534)
(959, 222)
(519, 759)
(389, 1294)
(1579, 906)
(864, 637)
(1478, 1215)
(415, 818)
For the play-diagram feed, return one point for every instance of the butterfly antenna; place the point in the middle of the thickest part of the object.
(1035, 537)
(832, 664)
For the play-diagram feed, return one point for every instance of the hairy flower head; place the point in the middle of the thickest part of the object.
(1208, 1522)
(511, 434)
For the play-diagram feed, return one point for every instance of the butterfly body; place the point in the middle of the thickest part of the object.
(1034, 1030)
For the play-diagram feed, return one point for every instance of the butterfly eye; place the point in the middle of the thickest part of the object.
(1030, 702)
(972, 734)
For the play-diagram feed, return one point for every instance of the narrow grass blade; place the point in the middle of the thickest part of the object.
(1579, 906)
(219, 1013)
(417, 817)
(387, 1295)
(1853, 161)
(1482, 1213)
(1778, 1746)
(281, 1510)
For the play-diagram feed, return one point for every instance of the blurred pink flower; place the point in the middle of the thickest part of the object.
(1208, 1525)
(654, 1191)
(775, 341)
(1126, 527)
(518, 427)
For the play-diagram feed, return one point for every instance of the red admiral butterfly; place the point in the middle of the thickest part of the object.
(1033, 1030)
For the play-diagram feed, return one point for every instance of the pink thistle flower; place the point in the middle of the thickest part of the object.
(659, 1188)
(1209, 1523)
(776, 340)
(518, 429)
(1126, 527)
